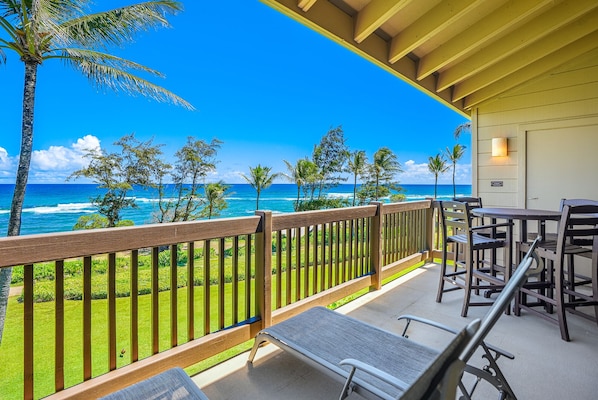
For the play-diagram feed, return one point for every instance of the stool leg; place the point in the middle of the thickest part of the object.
(442, 273)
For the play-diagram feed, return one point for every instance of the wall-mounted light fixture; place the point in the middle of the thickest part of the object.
(499, 147)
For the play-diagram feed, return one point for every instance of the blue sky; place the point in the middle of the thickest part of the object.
(268, 87)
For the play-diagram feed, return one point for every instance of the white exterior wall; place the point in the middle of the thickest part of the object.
(564, 101)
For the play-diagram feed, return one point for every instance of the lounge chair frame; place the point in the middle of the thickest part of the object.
(384, 364)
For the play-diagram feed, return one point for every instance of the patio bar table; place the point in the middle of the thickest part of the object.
(522, 215)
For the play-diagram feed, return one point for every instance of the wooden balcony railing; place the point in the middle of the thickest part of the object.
(164, 295)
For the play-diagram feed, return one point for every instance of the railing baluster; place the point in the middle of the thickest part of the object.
(289, 270)
(207, 292)
(112, 311)
(405, 234)
(221, 302)
(337, 260)
(173, 295)
(86, 318)
(330, 231)
(316, 261)
(362, 247)
(278, 269)
(190, 291)
(235, 284)
(59, 326)
(155, 301)
(298, 263)
(247, 277)
(307, 265)
(134, 277)
(28, 339)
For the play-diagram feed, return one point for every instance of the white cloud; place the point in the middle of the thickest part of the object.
(5, 160)
(52, 165)
(418, 173)
(87, 143)
(62, 159)
(7, 167)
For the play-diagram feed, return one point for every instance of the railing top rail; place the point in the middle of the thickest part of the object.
(389, 208)
(307, 218)
(29, 249)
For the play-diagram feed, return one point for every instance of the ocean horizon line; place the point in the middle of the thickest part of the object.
(234, 183)
(51, 207)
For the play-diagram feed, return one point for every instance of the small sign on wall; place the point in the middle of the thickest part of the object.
(496, 183)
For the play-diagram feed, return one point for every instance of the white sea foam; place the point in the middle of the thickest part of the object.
(70, 208)
(151, 200)
(340, 195)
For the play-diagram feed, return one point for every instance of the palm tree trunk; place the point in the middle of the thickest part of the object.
(354, 190)
(296, 205)
(16, 208)
(454, 187)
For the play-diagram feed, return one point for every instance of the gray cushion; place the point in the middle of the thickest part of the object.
(173, 384)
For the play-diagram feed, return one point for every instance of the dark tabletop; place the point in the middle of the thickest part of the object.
(517, 213)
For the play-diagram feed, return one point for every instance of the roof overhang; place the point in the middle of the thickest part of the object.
(460, 52)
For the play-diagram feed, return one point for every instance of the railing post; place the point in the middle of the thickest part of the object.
(376, 246)
(263, 268)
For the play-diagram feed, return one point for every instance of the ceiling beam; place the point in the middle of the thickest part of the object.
(431, 23)
(479, 34)
(542, 66)
(305, 5)
(546, 23)
(547, 45)
(374, 14)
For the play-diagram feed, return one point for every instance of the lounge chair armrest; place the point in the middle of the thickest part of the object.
(409, 318)
(425, 321)
(499, 352)
(370, 370)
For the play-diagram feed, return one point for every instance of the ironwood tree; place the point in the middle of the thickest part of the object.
(137, 164)
(194, 162)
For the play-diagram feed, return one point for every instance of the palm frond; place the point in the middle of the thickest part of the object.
(9, 7)
(115, 27)
(48, 14)
(107, 71)
(98, 57)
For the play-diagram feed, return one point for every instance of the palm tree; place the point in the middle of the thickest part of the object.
(383, 168)
(455, 155)
(40, 30)
(215, 198)
(294, 175)
(259, 178)
(437, 165)
(357, 165)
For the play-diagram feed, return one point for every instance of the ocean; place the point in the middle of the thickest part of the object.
(56, 208)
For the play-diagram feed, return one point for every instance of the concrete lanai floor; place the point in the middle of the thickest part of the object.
(545, 367)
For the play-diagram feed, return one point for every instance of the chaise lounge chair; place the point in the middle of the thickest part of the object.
(379, 364)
